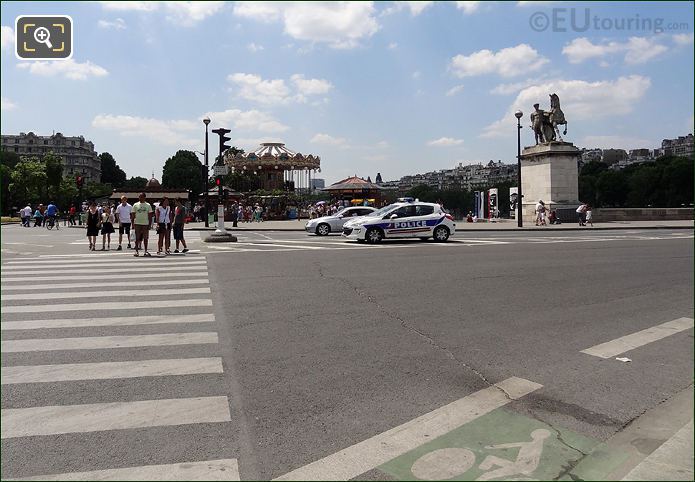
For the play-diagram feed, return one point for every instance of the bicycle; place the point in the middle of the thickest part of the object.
(50, 222)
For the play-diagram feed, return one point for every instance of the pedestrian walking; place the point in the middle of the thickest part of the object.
(93, 224)
(589, 216)
(141, 218)
(38, 217)
(107, 220)
(581, 214)
(26, 216)
(71, 215)
(123, 211)
(234, 212)
(179, 221)
(163, 216)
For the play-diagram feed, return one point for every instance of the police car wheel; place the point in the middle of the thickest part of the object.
(323, 229)
(374, 235)
(441, 234)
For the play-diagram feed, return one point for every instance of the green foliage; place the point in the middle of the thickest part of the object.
(9, 159)
(54, 173)
(135, 183)
(28, 180)
(667, 182)
(241, 181)
(94, 190)
(111, 173)
(183, 170)
(5, 178)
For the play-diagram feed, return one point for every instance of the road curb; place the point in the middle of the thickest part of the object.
(474, 230)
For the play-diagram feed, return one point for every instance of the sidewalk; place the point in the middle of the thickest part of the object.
(461, 226)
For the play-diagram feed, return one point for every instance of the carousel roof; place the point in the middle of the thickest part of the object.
(352, 183)
(272, 155)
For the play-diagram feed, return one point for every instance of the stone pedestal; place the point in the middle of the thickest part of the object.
(549, 173)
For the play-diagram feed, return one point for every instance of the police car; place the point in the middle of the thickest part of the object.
(411, 219)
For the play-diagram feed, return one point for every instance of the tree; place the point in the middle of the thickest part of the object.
(643, 184)
(111, 173)
(612, 188)
(6, 177)
(54, 173)
(136, 183)
(593, 168)
(9, 159)
(677, 180)
(27, 180)
(183, 170)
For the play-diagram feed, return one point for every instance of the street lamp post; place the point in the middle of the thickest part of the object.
(520, 221)
(206, 173)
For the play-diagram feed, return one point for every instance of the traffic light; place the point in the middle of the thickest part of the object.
(222, 132)
(80, 181)
(218, 181)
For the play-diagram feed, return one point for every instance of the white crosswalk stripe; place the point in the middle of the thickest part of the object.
(172, 296)
(101, 285)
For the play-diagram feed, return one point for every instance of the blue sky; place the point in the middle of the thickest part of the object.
(390, 87)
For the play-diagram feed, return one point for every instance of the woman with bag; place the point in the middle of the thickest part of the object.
(93, 224)
(163, 217)
(107, 220)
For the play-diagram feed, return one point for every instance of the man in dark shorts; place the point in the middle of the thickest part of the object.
(123, 211)
(141, 218)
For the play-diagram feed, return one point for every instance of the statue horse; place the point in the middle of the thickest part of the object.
(557, 117)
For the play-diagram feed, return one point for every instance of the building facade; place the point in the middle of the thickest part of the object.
(680, 146)
(468, 177)
(78, 154)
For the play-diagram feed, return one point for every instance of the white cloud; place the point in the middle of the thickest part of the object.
(416, 75)
(66, 68)
(328, 140)
(188, 14)
(393, 45)
(130, 6)
(468, 7)
(254, 88)
(415, 8)
(341, 25)
(683, 38)
(181, 13)
(310, 86)
(7, 104)
(180, 133)
(637, 50)
(581, 100)
(454, 90)
(253, 47)
(118, 24)
(445, 142)
(187, 133)
(7, 37)
(616, 142)
(507, 62)
(251, 120)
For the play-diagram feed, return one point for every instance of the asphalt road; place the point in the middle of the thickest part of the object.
(325, 344)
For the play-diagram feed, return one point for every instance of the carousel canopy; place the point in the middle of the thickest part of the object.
(353, 183)
(272, 155)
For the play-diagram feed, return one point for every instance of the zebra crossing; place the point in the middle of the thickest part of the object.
(111, 370)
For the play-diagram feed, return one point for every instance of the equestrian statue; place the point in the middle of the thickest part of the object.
(545, 124)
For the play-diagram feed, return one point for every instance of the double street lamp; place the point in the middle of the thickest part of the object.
(520, 222)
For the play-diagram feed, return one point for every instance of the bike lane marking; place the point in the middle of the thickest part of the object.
(373, 452)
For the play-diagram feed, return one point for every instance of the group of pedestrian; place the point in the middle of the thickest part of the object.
(41, 216)
(141, 216)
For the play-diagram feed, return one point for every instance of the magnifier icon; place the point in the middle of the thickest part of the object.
(43, 36)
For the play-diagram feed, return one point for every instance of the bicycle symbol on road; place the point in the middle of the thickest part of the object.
(447, 463)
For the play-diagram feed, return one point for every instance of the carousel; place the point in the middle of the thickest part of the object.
(277, 167)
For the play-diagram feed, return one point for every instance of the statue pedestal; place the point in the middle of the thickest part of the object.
(549, 173)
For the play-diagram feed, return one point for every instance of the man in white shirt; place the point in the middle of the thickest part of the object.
(26, 215)
(123, 218)
(581, 213)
